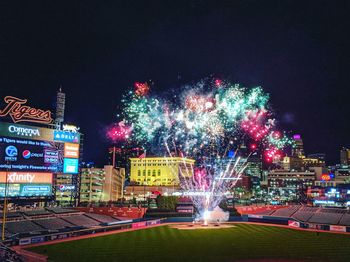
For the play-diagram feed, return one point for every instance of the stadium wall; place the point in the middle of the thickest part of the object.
(293, 223)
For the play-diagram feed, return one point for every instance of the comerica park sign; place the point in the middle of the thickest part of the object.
(19, 112)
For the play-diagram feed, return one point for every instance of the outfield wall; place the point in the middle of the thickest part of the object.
(83, 232)
(293, 223)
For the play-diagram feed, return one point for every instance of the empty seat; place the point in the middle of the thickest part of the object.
(81, 220)
(286, 212)
(345, 220)
(101, 218)
(25, 226)
(53, 223)
(326, 218)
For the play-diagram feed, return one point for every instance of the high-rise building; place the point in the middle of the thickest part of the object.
(345, 156)
(102, 184)
(119, 156)
(254, 166)
(160, 171)
(290, 185)
(60, 107)
(298, 149)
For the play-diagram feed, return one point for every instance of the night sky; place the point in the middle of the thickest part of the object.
(298, 51)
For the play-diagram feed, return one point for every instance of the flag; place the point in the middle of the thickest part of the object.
(143, 155)
(181, 154)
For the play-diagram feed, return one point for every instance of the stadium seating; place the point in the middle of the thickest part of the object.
(285, 212)
(302, 215)
(81, 220)
(345, 220)
(331, 216)
(101, 218)
(326, 218)
(60, 210)
(53, 223)
(37, 212)
(24, 226)
(332, 210)
(265, 212)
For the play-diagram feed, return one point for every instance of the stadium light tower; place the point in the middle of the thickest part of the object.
(4, 207)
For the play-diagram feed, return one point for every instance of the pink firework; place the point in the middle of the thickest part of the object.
(119, 132)
(272, 154)
(255, 125)
(141, 89)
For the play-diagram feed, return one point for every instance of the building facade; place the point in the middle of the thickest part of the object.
(345, 156)
(290, 185)
(102, 184)
(160, 171)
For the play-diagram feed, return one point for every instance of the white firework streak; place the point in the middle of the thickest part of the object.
(222, 179)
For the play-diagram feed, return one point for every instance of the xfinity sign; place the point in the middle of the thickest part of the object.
(24, 178)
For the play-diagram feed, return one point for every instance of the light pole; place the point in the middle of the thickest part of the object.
(4, 208)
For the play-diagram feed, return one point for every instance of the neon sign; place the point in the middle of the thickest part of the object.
(327, 177)
(19, 112)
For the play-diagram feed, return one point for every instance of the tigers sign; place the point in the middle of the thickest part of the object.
(19, 112)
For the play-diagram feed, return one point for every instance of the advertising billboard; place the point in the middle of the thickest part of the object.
(26, 177)
(24, 131)
(65, 136)
(71, 150)
(37, 133)
(26, 190)
(30, 155)
(70, 166)
(337, 228)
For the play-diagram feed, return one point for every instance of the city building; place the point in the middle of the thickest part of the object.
(160, 171)
(292, 163)
(298, 149)
(102, 184)
(345, 156)
(254, 167)
(118, 156)
(65, 189)
(254, 172)
(289, 185)
(331, 196)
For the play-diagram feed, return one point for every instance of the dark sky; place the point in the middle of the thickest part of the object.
(297, 50)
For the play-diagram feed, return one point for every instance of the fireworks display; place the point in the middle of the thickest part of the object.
(217, 123)
(206, 119)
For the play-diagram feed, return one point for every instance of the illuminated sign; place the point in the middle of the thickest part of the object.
(23, 131)
(337, 228)
(70, 166)
(25, 190)
(327, 177)
(71, 150)
(19, 112)
(66, 187)
(26, 177)
(297, 136)
(71, 128)
(324, 202)
(293, 223)
(30, 155)
(66, 136)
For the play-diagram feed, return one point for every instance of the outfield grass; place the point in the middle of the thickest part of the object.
(233, 244)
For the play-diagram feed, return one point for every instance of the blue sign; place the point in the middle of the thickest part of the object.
(26, 190)
(11, 151)
(70, 166)
(66, 136)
